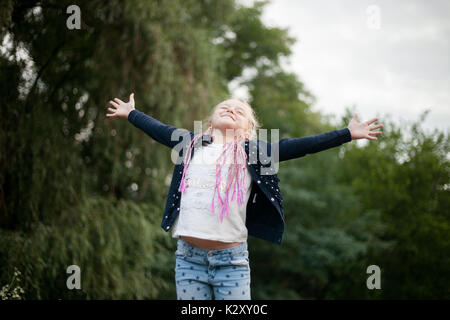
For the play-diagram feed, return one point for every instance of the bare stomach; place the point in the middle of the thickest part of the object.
(209, 244)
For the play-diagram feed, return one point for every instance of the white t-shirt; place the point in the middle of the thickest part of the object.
(195, 218)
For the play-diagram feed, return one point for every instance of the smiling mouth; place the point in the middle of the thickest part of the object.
(227, 115)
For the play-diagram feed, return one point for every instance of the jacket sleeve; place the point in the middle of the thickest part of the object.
(162, 133)
(292, 148)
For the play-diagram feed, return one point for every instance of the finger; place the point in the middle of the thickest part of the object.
(112, 110)
(371, 138)
(355, 116)
(114, 104)
(132, 96)
(375, 132)
(371, 121)
(376, 127)
(109, 115)
(118, 100)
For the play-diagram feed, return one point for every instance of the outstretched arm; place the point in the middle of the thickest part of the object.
(157, 130)
(292, 148)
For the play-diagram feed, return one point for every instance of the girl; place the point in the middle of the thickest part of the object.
(223, 190)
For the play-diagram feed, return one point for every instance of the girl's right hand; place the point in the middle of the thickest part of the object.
(121, 109)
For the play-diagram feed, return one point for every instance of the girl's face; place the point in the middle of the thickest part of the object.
(231, 114)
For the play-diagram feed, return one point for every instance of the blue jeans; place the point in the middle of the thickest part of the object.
(199, 272)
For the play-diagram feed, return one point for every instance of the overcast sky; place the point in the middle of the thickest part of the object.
(396, 64)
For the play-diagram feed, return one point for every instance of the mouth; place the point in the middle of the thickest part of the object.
(228, 115)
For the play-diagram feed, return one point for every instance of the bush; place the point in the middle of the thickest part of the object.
(119, 246)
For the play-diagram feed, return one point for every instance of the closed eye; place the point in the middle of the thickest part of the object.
(238, 111)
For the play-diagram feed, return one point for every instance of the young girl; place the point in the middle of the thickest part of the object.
(224, 190)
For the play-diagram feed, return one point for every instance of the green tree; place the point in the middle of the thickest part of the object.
(406, 177)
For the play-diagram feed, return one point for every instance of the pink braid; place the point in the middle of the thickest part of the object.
(219, 164)
(187, 160)
(236, 173)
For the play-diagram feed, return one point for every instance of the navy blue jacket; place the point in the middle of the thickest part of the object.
(264, 215)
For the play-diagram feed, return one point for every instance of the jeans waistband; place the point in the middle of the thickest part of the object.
(198, 251)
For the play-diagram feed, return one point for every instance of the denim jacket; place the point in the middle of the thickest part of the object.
(264, 212)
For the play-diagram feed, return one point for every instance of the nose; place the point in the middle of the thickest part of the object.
(231, 111)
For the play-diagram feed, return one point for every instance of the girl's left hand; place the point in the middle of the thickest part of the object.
(363, 130)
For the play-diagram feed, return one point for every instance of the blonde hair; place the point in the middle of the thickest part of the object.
(254, 123)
